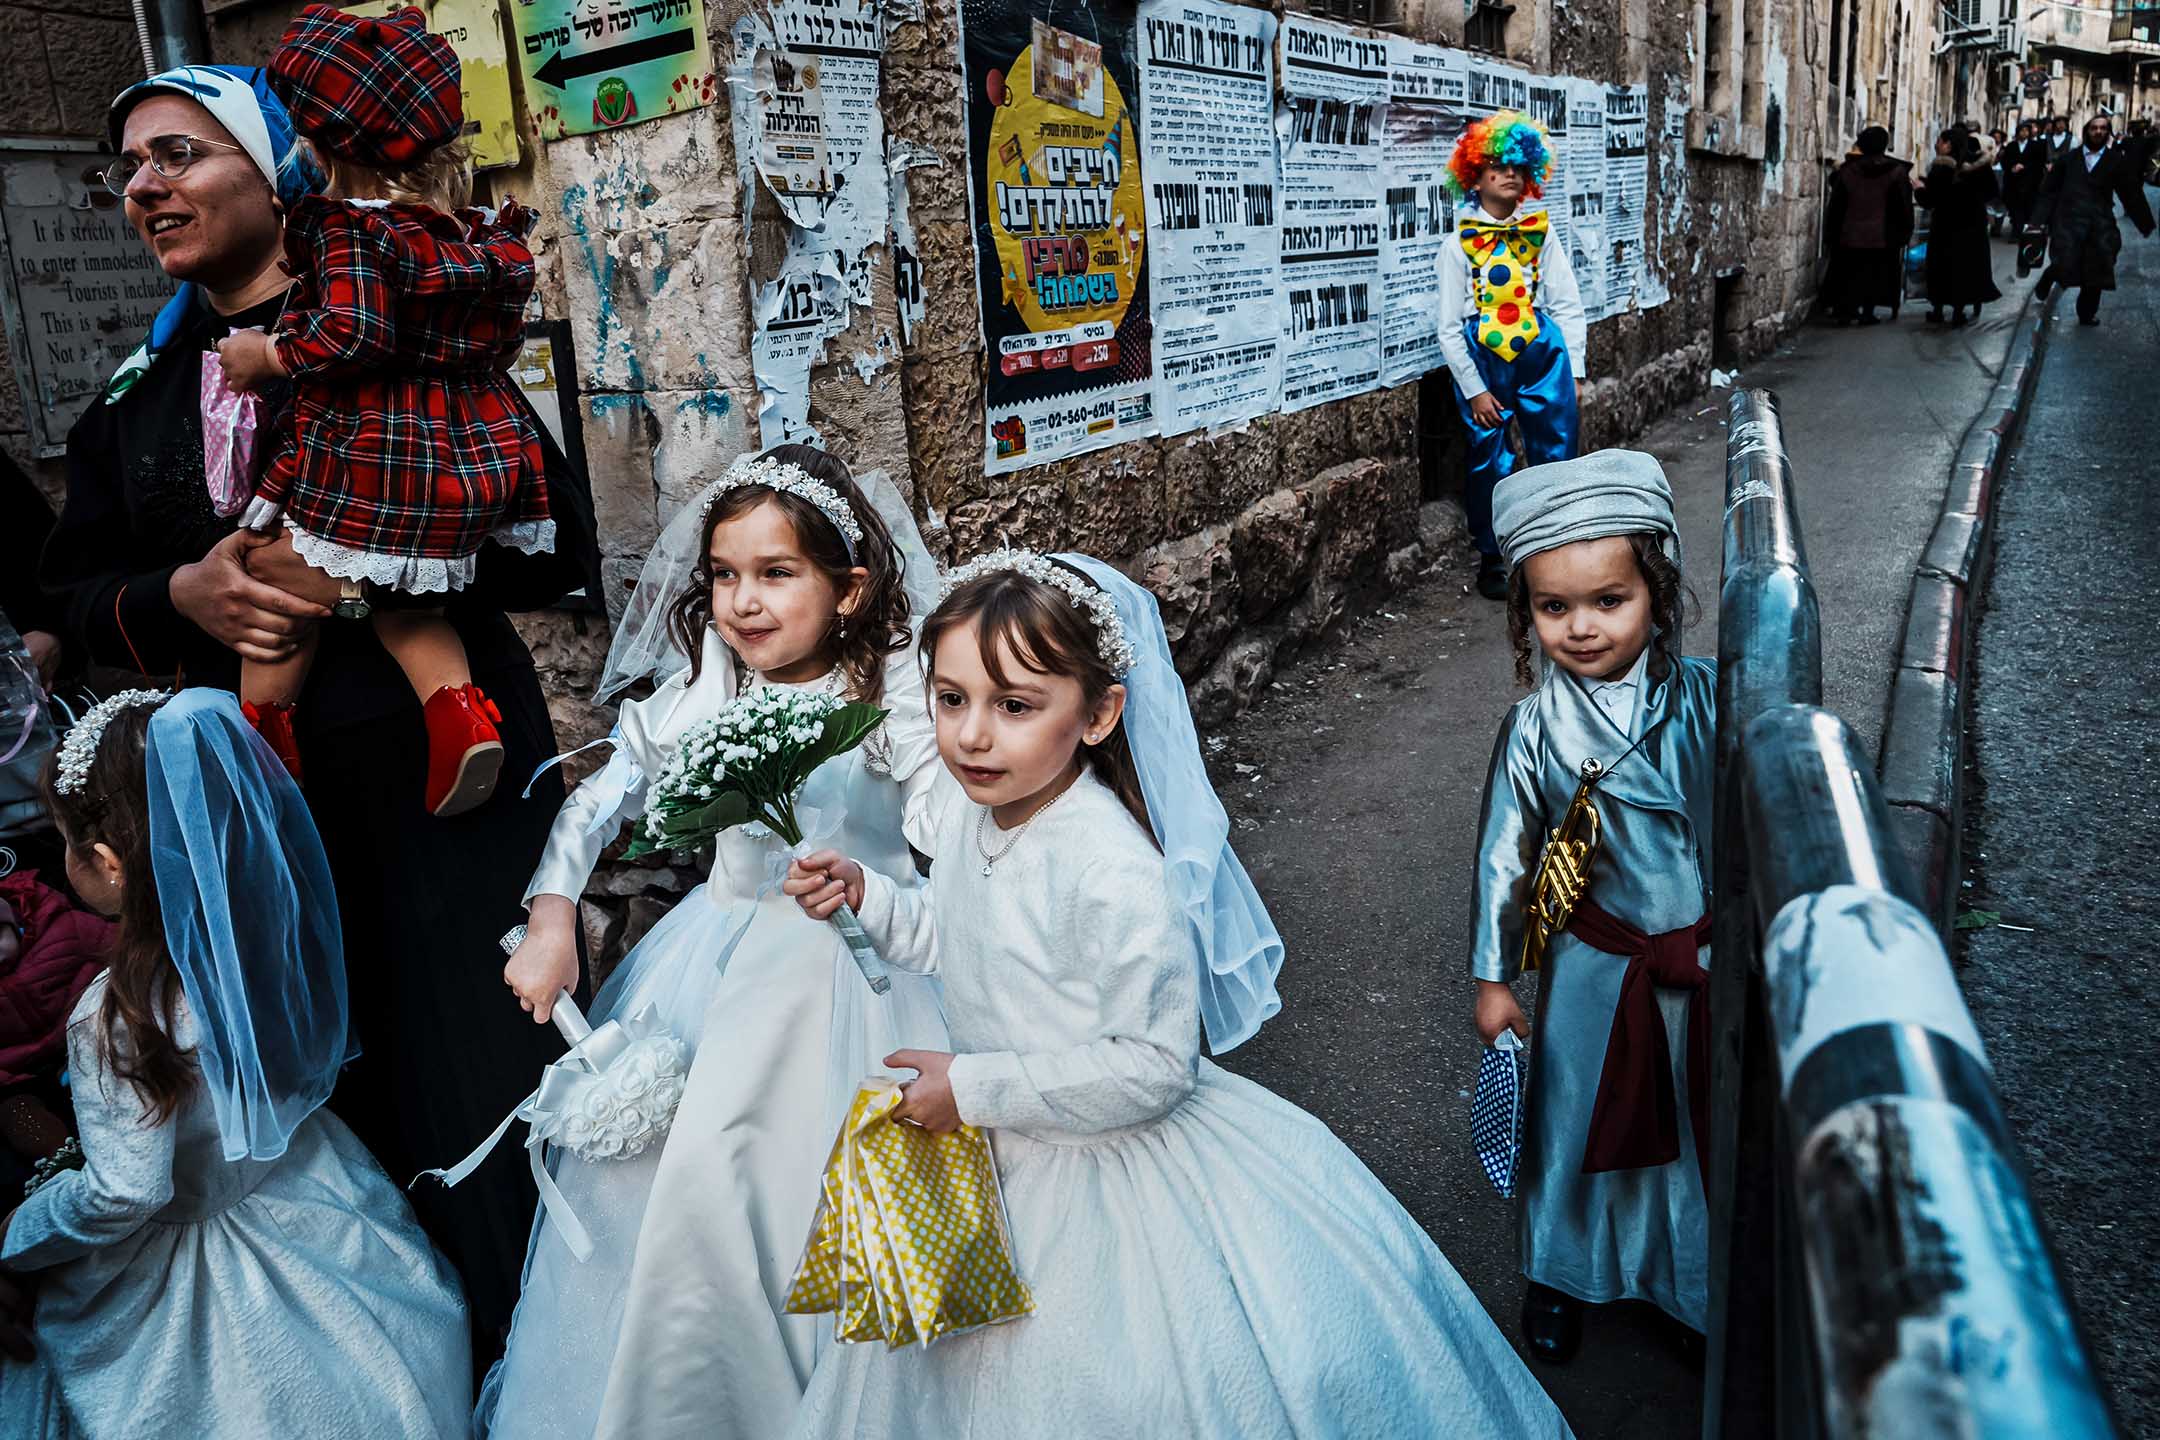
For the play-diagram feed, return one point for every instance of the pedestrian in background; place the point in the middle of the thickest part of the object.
(2024, 166)
(2058, 136)
(1869, 222)
(2077, 208)
(1960, 263)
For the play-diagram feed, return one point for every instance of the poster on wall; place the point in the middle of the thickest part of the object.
(1426, 86)
(474, 29)
(592, 65)
(1627, 188)
(1331, 131)
(1207, 83)
(1548, 106)
(1060, 229)
(1584, 159)
(811, 137)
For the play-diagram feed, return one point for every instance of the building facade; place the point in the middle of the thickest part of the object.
(665, 247)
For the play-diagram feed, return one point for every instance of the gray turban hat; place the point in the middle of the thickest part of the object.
(1609, 492)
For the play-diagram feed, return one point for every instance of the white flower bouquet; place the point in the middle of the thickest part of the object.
(746, 766)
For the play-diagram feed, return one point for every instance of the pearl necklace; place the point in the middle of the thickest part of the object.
(989, 860)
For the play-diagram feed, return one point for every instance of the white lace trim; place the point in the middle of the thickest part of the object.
(409, 574)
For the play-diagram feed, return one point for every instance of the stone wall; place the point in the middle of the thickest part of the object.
(1258, 541)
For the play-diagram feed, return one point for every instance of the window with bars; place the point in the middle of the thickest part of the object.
(1485, 27)
(1357, 12)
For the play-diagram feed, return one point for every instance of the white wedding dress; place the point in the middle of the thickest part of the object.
(1207, 1260)
(673, 1327)
(181, 1294)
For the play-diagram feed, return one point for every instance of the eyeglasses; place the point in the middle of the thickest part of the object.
(170, 156)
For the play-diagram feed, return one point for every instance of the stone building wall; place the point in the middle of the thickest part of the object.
(1257, 541)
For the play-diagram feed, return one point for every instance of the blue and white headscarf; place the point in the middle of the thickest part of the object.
(239, 98)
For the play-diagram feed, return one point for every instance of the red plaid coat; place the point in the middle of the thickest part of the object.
(407, 439)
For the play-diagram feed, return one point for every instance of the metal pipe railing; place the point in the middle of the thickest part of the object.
(1769, 654)
(1877, 1267)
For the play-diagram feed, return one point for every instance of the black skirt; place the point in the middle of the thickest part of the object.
(1863, 279)
(446, 1051)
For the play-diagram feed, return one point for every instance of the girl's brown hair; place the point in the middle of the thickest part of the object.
(440, 179)
(142, 988)
(1048, 634)
(859, 641)
(1672, 605)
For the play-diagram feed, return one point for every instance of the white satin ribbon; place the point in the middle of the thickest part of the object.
(548, 1107)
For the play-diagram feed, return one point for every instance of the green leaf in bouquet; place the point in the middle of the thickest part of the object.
(845, 729)
(688, 829)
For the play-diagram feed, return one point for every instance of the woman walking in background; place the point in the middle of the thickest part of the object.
(1960, 264)
(1870, 221)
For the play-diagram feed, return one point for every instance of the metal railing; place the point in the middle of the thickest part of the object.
(1877, 1268)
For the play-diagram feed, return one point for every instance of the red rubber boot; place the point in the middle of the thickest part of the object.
(272, 720)
(465, 751)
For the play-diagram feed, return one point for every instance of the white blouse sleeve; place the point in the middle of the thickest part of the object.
(645, 734)
(901, 920)
(1454, 294)
(127, 1174)
(1560, 297)
(1145, 1059)
(909, 753)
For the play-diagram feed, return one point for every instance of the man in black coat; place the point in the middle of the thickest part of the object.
(2024, 166)
(2077, 208)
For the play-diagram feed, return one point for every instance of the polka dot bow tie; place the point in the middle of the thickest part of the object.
(1504, 273)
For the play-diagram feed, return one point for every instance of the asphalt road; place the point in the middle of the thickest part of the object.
(2063, 828)
(1355, 787)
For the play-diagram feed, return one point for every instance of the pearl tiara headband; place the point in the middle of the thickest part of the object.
(1110, 639)
(793, 480)
(79, 747)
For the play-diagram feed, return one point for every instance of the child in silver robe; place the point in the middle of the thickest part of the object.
(1610, 1183)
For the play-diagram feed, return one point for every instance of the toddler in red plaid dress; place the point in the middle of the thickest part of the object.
(409, 447)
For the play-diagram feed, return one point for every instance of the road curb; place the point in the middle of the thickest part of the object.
(1923, 752)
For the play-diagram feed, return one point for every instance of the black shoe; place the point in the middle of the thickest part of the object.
(1957, 321)
(1491, 577)
(2088, 319)
(1934, 317)
(1870, 318)
(1551, 1324)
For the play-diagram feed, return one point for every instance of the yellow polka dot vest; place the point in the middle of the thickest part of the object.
(1504, 279)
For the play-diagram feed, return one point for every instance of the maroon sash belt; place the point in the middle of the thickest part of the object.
(1634, 1122)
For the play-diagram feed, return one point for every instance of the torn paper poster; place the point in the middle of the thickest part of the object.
(792, 320)
(902, 156)
(805, 80)
(792, 155)
(1627, 187)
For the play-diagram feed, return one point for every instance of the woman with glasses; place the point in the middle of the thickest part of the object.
(152, 578)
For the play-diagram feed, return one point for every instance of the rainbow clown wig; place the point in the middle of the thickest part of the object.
(1502, 138)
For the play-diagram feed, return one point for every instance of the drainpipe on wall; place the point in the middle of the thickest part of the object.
(170, 33)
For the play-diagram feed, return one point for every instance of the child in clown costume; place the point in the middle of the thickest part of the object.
(1512, 324)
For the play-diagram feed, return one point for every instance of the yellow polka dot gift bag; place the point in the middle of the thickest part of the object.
(909, 1243)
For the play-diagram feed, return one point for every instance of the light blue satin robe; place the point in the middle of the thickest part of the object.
(1631, 1234)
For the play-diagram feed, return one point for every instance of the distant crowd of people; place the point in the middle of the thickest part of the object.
(2056, 194)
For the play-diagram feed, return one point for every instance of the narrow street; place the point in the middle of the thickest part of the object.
(1356, 789)
(2063, 836)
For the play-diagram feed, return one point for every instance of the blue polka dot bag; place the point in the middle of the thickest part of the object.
(1496, 1111)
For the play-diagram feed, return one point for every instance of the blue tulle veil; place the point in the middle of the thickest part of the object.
(251, 920)
(1240, 950)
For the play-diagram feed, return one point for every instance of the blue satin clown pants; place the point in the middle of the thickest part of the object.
(1536, 388)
